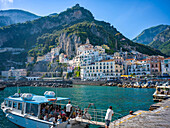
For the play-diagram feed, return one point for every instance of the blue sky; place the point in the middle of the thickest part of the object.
(130, 17)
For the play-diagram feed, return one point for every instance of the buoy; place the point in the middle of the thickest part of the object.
(131, 112)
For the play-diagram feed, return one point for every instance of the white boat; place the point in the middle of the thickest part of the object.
(161, 93)
(24, 111)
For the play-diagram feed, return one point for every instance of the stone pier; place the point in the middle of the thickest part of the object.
(159, 117)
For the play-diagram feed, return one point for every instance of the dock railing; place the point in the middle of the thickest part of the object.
(97, 116)
(94, 116)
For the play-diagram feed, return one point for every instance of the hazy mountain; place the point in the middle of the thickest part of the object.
(68, 30)
(147, 35)
(53, 14)
(14, 16)
(157, 37)
(162, 41)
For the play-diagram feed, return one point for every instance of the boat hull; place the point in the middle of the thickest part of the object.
(26, 122)
(2, 88)
(30, 123)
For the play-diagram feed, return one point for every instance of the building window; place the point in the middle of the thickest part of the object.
(156, 65)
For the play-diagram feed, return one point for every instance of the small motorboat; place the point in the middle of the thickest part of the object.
(2, 87)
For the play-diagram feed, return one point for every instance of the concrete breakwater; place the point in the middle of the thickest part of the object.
(116, 83)
(38, 83)
(79, 82)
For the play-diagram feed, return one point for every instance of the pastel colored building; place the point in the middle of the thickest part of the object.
(166, 67)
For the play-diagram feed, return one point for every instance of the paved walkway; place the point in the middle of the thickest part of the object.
(158, 118)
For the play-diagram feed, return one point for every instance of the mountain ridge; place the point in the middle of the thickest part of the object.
(157, 37)
(67, 29)
(16, 16)
(147, 35)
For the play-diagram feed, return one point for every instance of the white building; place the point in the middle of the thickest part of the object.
(63, 58)
(138, 68)
(165, 65)
(16, 73)
(99, 70)
(88, 54)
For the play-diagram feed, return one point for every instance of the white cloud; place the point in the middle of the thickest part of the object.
(5, 3)
(11, 1)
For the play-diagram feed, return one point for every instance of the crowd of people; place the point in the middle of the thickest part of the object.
(55, 113)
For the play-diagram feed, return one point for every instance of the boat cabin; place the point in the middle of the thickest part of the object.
(30, 104)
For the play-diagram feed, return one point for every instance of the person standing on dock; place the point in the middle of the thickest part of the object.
(108, 116)
(68, 108)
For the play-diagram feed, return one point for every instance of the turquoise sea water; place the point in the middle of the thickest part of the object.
(122, 99)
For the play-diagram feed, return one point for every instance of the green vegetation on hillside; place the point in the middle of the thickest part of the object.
(162, 42)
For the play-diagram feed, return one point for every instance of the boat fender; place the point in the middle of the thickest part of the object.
(7, 115)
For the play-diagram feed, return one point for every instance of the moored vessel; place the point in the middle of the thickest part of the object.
(161, 93)
(26, 110)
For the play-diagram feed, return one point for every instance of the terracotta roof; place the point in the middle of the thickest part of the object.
(144, 60)
(130, 59)
(167, 58)
(107, 60)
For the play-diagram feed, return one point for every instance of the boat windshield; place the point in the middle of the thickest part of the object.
(32, 109)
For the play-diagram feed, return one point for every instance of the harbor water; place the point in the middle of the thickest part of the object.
(122, 99)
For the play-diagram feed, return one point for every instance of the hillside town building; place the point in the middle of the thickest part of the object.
(14, 73)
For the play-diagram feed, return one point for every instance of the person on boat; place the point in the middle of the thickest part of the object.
(62, 112)
(59, 107)
(108, 116)
(41, 116)
(51, 118)
(59, 120)
(64, 117)
(68, 108)
(162, 92)
(52, 112)
(43, 111)
(58, 112)
(46, 117)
